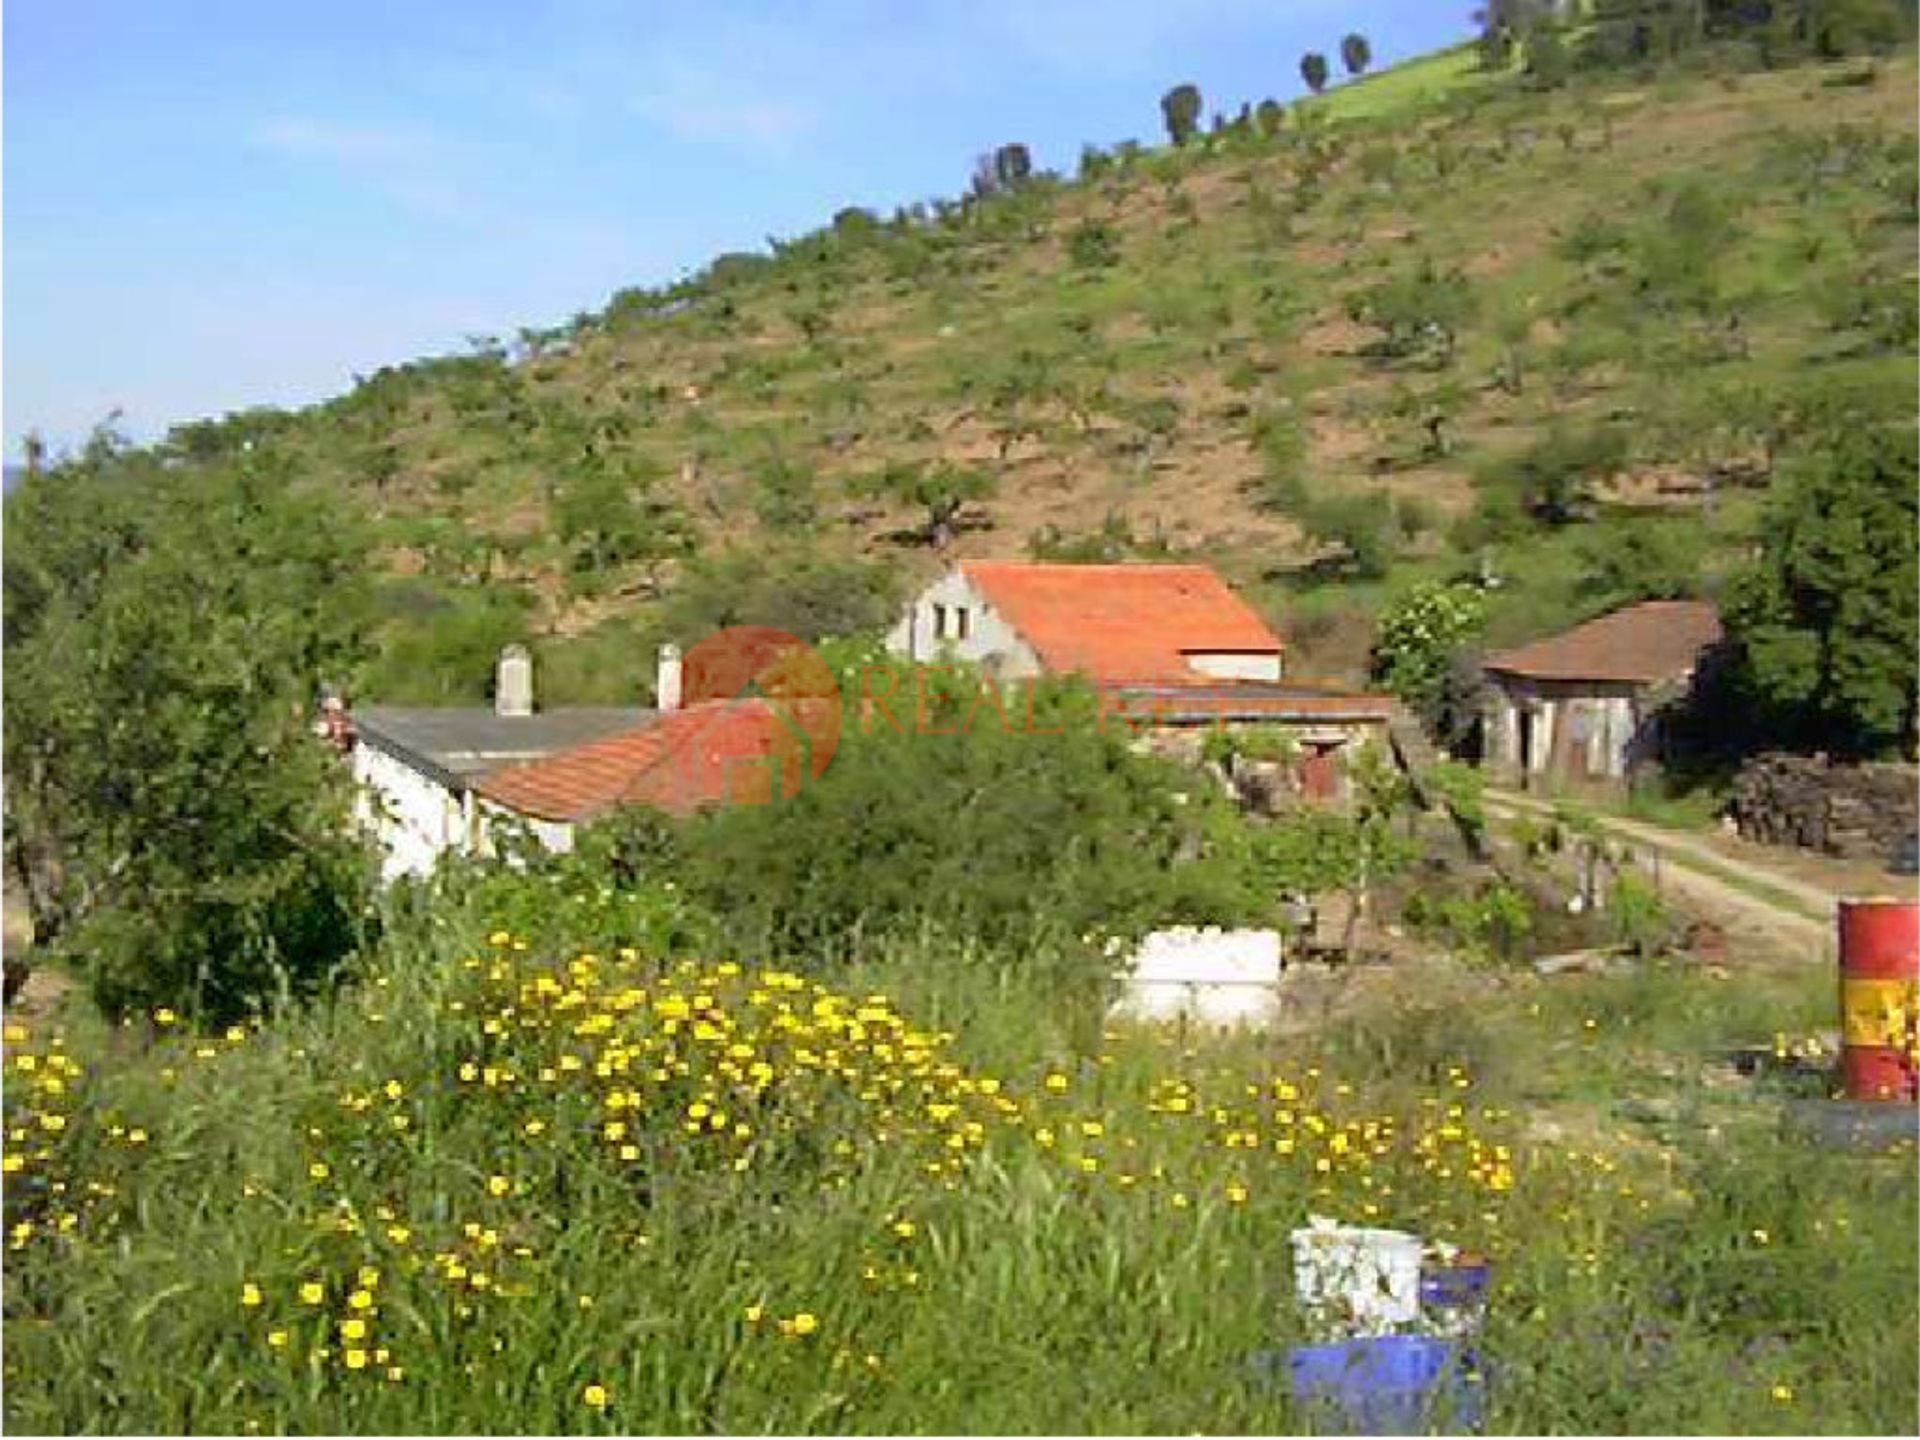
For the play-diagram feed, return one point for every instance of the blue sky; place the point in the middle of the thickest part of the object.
(211, 205)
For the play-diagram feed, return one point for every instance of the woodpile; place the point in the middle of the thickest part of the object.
(1858, 812)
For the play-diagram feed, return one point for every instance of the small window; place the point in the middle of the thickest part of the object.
(939, 622)
(962, 622)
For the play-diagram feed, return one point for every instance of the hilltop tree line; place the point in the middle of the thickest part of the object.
(1552, 40)
(1181, 107)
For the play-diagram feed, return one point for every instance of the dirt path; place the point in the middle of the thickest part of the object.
(1753, 901)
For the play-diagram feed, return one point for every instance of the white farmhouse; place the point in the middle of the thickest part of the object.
(418, 768)
(1171, 648)
(1116, 624)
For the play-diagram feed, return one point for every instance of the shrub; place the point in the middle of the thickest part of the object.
(1360, 528)
(1492, 921)
(1652, 559)
(936, 812)
(1422, 638)
(793, 588)
(1281, 442)
(1554, 477)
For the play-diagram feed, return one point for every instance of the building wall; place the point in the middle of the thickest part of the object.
(990, 641)
(1565, 732)
(1236, 665)
(494, 820)
(1316, 772)
(413, 817)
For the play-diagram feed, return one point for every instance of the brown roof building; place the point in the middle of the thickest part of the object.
(1585, 705)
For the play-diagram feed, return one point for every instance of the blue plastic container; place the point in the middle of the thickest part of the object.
(1453, 1298)
(1389, 1385)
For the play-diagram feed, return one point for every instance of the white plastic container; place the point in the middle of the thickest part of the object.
(1211, 977)
(1354, 1282)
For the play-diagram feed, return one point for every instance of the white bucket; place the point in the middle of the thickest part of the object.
(1354, 1282)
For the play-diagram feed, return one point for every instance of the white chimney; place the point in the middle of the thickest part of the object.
(513, 682)
(666, 683)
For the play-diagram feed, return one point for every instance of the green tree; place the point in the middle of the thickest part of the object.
(181, 836)
(1012, 165)
(942, 491)
(1417, 309)
(1355, 53)
(791, 586)
(1678, 256)
(1313, 70)
(936, 812)
(1549, 63)
(611, 513)
(1417, 654)
(1825, 620)
(1658, 558)
(1553, 479)
(1180, 110)
(1360, 527)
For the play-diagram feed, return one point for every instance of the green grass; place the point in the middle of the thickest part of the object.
(1093, 1237)
(1410, 85)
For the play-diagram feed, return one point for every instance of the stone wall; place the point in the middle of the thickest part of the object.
(1858, 812)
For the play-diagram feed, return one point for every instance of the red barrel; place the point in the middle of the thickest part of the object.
(1880, 999)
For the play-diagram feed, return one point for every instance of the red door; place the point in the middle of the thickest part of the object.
(1320, 773)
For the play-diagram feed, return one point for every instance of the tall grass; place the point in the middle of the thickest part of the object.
(979, 1209)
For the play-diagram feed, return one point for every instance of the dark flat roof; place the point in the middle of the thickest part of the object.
(1249, 700)
(458, 744)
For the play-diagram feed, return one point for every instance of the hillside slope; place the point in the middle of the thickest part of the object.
(1426, 328)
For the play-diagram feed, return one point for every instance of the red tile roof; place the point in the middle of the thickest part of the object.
(1121, 623)
(712, 753)
(1641, 644)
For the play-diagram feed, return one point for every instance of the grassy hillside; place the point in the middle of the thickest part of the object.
(1439, 321)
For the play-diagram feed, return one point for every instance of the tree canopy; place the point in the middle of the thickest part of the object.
(1826, 619)
(177, 828)
(1180, 110)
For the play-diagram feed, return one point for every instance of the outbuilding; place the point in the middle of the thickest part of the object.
(1587, 706)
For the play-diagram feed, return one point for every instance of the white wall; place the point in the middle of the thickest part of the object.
(1211, 976)
(414, 818)
(990, 640)
(1609, 716)
(553, 835)
(1235, 664)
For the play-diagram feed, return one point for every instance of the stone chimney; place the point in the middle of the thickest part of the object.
(666, 683)
(513, 682)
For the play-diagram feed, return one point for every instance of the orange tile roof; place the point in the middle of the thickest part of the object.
(1121, 623)
(680, 762)
(1640, 644)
